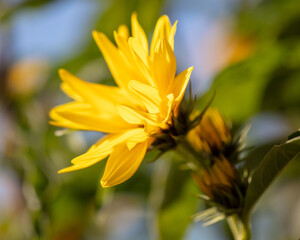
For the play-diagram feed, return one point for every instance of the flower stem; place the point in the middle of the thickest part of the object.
(190, 154)
(239, 228)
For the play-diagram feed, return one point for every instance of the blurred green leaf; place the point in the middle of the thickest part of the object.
(240, 87)
(7, 13)
(176, 214)
(269, 169)
(269, 77)
(174, 186)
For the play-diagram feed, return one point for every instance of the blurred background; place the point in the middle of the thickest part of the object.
(249, 50)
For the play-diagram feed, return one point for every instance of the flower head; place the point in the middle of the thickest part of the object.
(212, 134)
(143, 104)
(217, 178)
(222, 186)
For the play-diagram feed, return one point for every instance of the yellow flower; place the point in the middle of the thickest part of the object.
(212, 134)
(148, 95)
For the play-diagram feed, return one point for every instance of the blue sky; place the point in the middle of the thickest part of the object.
(53, 31)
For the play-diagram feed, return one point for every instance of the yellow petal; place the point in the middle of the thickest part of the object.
(96, 153)
(104, 147)
(60, 121)
(102, 97)
(137, 65)
(123, 31)
(178, 87)
(162, 30)
(83, 116)
(124, 47)
(164, 66)
(119, 62)
(129, 115)
(138, 33)
(139, 50)
(67, 89)
(116, 63)
(166, 108)
(172, 35)
(123, 163)
(115, 138)
(137, 139)
(137, 117)
(147, 94)
(180, 83)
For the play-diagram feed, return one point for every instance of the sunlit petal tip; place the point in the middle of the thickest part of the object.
(164, 21)
(123, 31)
(172, 34)
(62, 73)
(52, 112)
(188, 75)
(123, 163)
(158, 45)
(134, 19)
(130, 145)
(52, 123)
(164, 18)
(98, 36)
(133, 15)
(69, 169)
(95, 33)
(105, 184)
(140, 43)
(190, 69)
(66, 76)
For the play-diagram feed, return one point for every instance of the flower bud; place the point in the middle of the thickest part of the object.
(211, 135)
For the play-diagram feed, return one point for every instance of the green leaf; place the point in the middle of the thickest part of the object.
(178, 202)
(175, 185)
(7, 13)
(269, 169)
(240, 87)
(175, 217)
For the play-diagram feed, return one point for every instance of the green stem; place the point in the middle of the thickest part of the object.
(190, 154)
(239, 228)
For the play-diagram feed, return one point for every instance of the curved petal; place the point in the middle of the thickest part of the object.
(83, 116)
(163, 66)
(60, 121)
(172, 35)
(123, 163)
(67, 89)
(137, 117)
(122, 69)
(179, 87)
(147, 94)
(123, 31)
(138, 33)
(102, 97)
(162, 30)
(96, 153)
(180, 83)
(137, 65)
(104, 147)
(116, 63)
(139, 50)
(167, 107)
